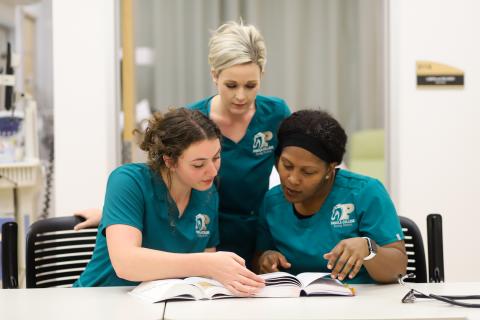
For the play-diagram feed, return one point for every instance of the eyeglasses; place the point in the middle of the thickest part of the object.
(413, 294)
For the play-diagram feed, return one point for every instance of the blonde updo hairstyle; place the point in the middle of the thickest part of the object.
(235, 43)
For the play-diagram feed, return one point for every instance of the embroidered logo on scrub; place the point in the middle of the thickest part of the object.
(201, 223)
(341, 215)
(260, 143)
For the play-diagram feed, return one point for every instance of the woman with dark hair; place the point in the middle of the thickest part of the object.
(160, 219)
(248, 122)
(325, 219)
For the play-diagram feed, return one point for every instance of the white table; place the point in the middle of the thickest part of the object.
(371, 302)
(76, 303)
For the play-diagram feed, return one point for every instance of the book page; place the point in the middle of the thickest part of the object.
(212, 289)
(307, 278)
(279, 285)
(161, 290)
(280, 278)
(328, 286)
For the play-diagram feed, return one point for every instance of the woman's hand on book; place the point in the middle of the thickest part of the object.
(346, 258)
(271, 261)
(229, 269)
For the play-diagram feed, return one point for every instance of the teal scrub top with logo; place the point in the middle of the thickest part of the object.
(244, 173)
(136, 196)
(357, 206)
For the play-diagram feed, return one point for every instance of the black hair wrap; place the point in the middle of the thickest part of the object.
(314, 145)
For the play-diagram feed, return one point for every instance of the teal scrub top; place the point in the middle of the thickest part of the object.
(244, 175)
(136, 196)
(357, 206)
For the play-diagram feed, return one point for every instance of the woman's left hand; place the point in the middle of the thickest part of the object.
(346, 258)
(92, 218)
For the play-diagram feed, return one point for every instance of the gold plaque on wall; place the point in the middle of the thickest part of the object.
(433, 74)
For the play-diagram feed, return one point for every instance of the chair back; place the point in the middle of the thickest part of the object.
(415, 250)
(57, 254)
(435, 248)
(9, 255)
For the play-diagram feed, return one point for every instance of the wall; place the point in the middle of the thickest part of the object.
(319, 51)
(85, 101)
(7, 13)
(434, 134)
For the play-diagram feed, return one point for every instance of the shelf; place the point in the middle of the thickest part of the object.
(25, 174)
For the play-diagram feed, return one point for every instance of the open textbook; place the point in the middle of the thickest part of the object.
(277, 285)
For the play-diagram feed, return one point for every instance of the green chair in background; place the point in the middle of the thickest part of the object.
(366, 150)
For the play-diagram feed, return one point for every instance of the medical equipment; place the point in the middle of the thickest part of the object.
(413, 294)
(20, 168)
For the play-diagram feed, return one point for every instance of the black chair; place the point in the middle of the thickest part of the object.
(435, 248)
(415, 250)
(9, 255)
(56, 254)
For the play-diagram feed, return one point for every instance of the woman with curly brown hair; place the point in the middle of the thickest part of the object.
(160, 219)
(248, 122)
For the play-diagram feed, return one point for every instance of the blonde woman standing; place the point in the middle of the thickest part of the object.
(249, 123)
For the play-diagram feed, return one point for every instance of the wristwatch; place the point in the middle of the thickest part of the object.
(372, 248)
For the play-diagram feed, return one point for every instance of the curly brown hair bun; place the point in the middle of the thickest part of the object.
(172, 133)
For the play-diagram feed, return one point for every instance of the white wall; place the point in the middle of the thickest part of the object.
(435, 134)
(85, 101)
(7, 14)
